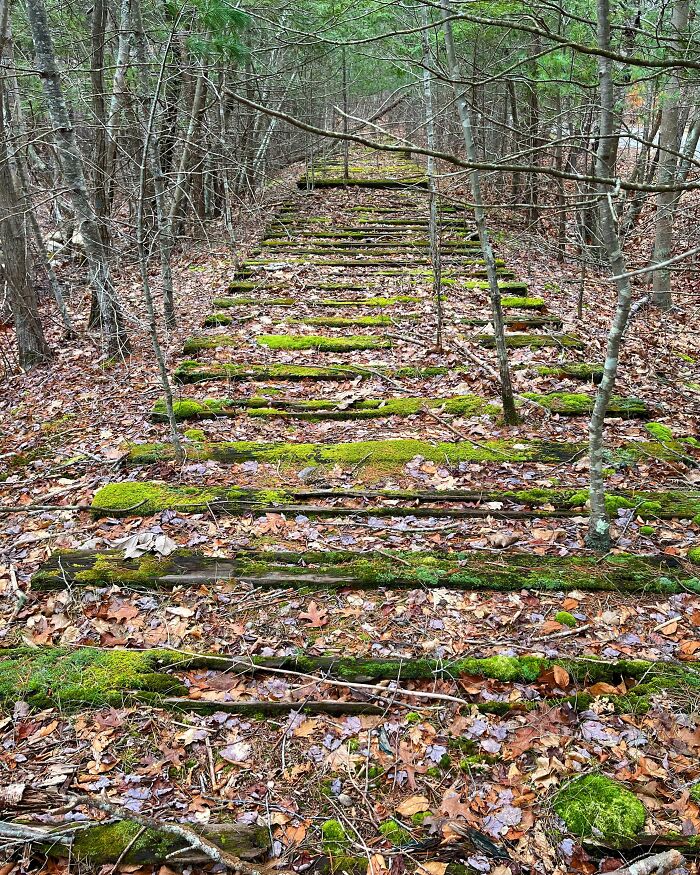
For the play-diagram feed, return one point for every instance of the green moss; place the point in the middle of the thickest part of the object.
(396, 834)
(335, 839)
(377, 301)
(68, 678)
(368, 408)
(189, 408)
(646, 530)
(217, 319)
(344, 321)
(659, 431)
(194, 372)
(695, 793)
(195, 434)
(419, 818)
(413, 717)
(390, 455)
(573, 370)
(127, 842)
(372, 408)
(566, 619)
(247, 302)
(594, 805)
(694, 555)
(105, 843)
(513, 302)
(320, 342)
(469, 571)
(342, 864)
(576, 404)
(128, 497)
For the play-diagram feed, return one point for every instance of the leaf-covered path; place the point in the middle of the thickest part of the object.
(419, 652)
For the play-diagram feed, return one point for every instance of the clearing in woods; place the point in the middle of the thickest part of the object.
(369, 615)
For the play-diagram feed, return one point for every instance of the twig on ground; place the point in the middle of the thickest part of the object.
(658, 864)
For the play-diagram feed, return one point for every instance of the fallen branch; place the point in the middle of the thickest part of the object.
(658, 864)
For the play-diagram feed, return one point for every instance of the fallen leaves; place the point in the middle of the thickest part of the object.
(413, 805)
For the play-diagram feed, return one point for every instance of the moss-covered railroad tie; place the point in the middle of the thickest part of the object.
(345, 321)
(592, 373)
(71, 678)
(368, 408)
(534, 341)
(127, 842)
(564, 403)
(358, 182)
(195, 372)
(193, 345)
(376, 301)
(223, 303)
(129, 498)
(392, 455)
(518, 323)
(396, 569)
(323, 343)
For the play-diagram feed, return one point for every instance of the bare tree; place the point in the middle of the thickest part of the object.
(599, 524)
(509, 412)
(668, 146)
(115, 342)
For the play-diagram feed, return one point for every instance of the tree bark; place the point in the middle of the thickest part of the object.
(509, 412)
(31, 343)
(668, 146)
(115, 342)
(433, 229)
(599, 523)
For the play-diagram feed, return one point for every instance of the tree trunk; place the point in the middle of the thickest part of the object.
(117, 99)
(668, 145)
(31, 343)
(150, 158)
(509, 411)
(599, 524)
(433, 230)
(114, 339)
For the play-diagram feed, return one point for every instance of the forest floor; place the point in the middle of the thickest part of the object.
(425, 763)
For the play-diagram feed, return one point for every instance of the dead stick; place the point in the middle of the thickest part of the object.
(658, 864)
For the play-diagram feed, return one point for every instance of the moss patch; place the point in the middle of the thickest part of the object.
(334, 838)
(68, 678)
(141, 498)
(566, 619)
(344, 321)
(573, 371)
(194, 372)
(376, 301)
(659, 431)
(594, 805)
(395, 834)
(390, 455)
(371, 408)
(319, 342)
(396, 570)
(515, 302)
(577, 404)
(132, 498)
(224, 303)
